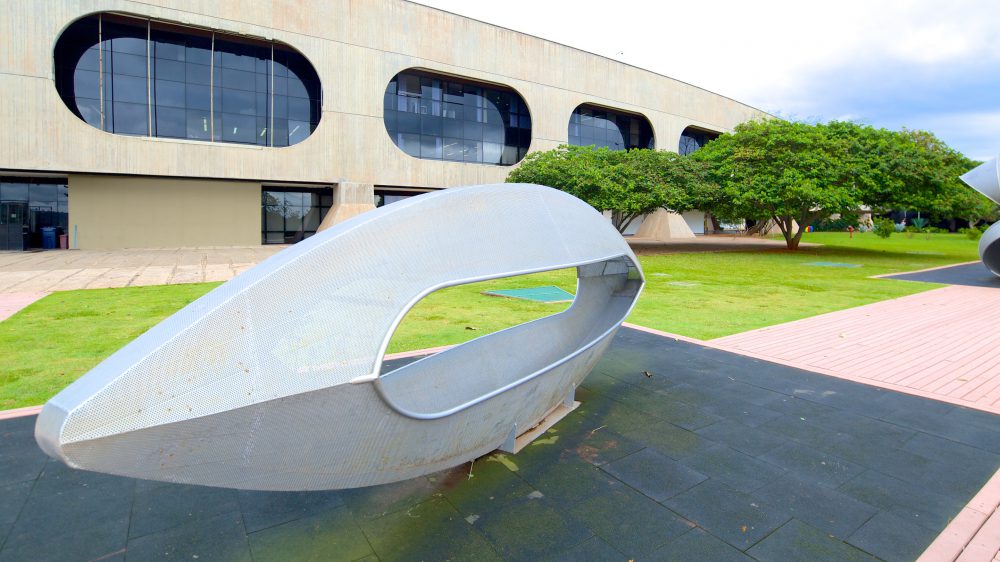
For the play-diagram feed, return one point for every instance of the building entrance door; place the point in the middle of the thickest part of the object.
(27, 206)
(13, 225)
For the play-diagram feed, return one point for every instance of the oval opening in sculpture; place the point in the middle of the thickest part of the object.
(438, 117)
(605, 293)
(135, 76)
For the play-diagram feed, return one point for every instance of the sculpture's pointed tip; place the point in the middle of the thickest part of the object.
(48, 430)
(984, 179)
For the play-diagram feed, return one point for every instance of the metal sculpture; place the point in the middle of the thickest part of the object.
(272, 381)
(985, 179)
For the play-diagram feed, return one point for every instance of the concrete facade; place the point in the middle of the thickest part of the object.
(141, 212)
(356, 46)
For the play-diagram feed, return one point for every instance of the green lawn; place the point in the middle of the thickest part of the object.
(701, 295)
(738, 291)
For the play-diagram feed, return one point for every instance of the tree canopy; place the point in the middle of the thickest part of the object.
(796, 173)
(628, 184)
(792, 173)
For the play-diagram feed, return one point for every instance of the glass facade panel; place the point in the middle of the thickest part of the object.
(445, 118)
(181, 96)
(591, 125)
(138, 77)
(289, 214)
(30, 204)
(692, 139)
(386, 196)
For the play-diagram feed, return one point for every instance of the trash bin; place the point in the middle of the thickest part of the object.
(48, 238)
(64, 241)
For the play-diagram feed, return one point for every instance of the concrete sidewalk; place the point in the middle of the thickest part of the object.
(64, 270)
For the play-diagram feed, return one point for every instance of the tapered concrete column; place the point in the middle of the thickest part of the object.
(664, 225)
(349, 199)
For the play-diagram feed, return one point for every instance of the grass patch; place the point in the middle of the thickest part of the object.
(52, 342)
(459, 314)
(737, 291)
(703, 295)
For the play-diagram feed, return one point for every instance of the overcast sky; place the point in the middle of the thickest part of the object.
(932, 65)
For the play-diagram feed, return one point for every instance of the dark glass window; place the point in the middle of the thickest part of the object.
(181, 74)
(445, 118)
(138, 77)
(30, 204)
(290, 214)
(692, 139)
(386, 196)
(125, 76)
(592, 125)
(296, 98)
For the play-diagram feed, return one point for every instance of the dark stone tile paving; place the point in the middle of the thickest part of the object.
(797, 541)
(971, 274)
(697, 545)
(714, 456)
(654, 474)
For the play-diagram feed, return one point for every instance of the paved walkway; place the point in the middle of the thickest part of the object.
(10, 303)
(973, 274)
(942, 344)
(679, 451)
(64, 270)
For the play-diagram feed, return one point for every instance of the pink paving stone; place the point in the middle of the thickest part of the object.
(941, 344)
(11, 303)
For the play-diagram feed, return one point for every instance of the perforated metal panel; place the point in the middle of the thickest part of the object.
(985, 179)
(271, 380)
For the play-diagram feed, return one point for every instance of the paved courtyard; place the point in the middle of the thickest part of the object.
(942, 343)
(64, 270)
(713, 456)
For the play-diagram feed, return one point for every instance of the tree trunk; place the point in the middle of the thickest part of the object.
(785, 225)
(759, 227)
(716, 227)
(804, 219)
(626, 220)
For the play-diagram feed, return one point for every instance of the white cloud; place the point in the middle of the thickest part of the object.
(746, 49)
(978, 133)
(795, 58)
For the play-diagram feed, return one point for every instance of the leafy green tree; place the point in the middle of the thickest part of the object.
(957, 200)
(797, 173)
(628, 184)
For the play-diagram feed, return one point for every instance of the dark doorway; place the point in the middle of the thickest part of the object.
(28, 205)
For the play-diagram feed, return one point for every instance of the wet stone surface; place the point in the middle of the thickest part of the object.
(712, 456)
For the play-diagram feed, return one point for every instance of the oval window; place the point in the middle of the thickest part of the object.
(134, 76)
(601, 127)
(446, 118)
(693, 138)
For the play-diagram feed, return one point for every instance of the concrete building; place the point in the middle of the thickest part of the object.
(239, 122)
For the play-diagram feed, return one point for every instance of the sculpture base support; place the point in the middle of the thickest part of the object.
(515, 444)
